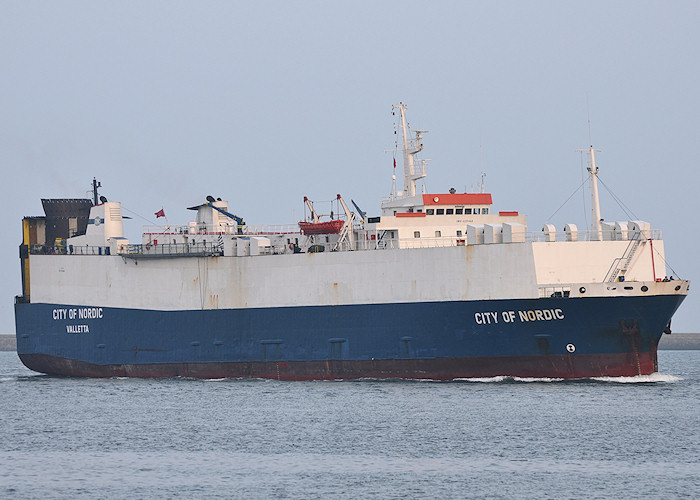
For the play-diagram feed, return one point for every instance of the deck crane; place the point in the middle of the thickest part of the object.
(346, 235)
(315, 218)
(239, 220)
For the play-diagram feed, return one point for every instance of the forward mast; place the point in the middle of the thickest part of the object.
(596, 226)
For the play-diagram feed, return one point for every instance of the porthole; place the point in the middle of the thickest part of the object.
(645, 288)
(582, 289)
(570, 347)
(678, 287)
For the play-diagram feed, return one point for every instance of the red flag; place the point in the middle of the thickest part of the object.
(394, 162)
(160, 213)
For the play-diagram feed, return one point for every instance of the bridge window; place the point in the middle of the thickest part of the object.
(467, 211)
(449, 211)
(429, 211)
(459, 210)
(484, 211)
(459, 233)
(441, 211)
(476, 211)
(416, 234)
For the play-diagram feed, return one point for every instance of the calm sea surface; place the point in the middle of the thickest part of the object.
(498, 438)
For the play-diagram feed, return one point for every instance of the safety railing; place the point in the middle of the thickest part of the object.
(221, 229)
(69, 250)
(173, 249)
(605, 235)
(555, 291)
(191, 229)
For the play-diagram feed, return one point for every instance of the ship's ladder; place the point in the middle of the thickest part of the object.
(620, 265)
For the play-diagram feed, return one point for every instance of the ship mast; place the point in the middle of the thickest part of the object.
(596, 229)
(411, 147)
(95, 184)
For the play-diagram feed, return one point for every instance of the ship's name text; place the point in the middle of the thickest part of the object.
(78, 313)
(492, 317)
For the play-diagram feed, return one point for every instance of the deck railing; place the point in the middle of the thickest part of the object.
(69, 250)
(167, 249)
(364, 240)
(653, 234)
(219, 229)
(174, 249)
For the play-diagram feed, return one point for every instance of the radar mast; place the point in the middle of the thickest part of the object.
(411, 147)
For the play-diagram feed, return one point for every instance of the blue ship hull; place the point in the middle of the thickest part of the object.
(549, 337)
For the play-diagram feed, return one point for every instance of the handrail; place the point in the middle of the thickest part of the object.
(533, 236)
(170, 229)
(364, 240)
(201, 248)
(616, 267)
(69, 250)
(170, 249)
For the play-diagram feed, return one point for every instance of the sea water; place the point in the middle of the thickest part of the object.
(636, 437)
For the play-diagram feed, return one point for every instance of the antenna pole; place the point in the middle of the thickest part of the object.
(595, 201)
(596, 228)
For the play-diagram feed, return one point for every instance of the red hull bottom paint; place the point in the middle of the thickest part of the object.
(553, 366)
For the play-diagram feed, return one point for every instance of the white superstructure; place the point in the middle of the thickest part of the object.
(423, 247)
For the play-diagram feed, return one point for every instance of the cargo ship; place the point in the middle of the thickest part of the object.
(437, 286)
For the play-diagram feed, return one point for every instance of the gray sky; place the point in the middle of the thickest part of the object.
(262, 103)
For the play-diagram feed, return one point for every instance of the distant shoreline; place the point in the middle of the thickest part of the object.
(8, 343)
(673, 342)
(680, 342)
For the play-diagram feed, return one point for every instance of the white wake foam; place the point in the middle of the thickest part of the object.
(641, 379)
(537, 379)
(654, 378)
(507, 378)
